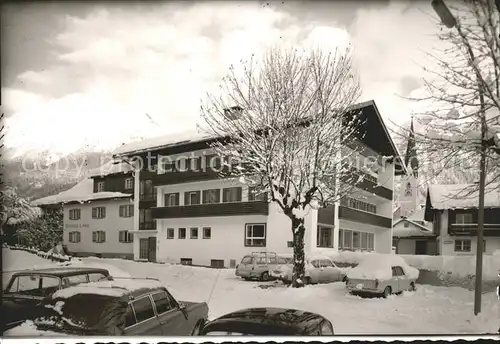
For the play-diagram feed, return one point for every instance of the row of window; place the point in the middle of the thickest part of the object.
(100, 236)
(181, 234)
(211, 196)
(214, 263)
(100, 212)
(465, 245)
(192, 164)
(129, 185)
(348, 239)
(357, 204)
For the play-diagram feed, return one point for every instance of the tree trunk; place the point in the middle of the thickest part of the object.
(298, 230)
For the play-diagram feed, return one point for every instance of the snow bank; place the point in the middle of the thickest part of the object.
(379, 266)
(28, 329)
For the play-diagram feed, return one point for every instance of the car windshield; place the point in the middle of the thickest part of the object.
(33, 285)
(247, 260)
(83, 313)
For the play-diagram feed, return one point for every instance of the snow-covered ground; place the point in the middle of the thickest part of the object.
(429, 310)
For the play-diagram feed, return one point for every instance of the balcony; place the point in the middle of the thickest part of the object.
(369, 184)
(148, 197)
(355, 215)
(470, 229)
(149, 225)
(215, 209)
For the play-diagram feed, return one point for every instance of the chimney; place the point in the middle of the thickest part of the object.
(233, 112)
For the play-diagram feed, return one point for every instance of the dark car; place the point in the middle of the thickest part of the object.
(120, 307)
(26, 290)
(269, 322)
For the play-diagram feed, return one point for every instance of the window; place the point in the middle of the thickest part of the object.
(192, 197)
(211, 196)
(347, 239)
(100, 186)
(463, 218)
(162, 302)
(170, 233)
(324, 237)
(74, 237)
(143, 309)
(212, 160)
(146, 187)
(146, 219)
(231, 195)
(357, 204)
(143, 248)
(255, 235)
(364, 241)
(74, 214)
(98, 212)
(217, 263)
(207, 233)
(315, 263)
(186, 261)
(130, 317)
(125, 236)
(126, 210)
(194, 233)
(406, 224)
(462, 245)
(129, 183)
(99, 236)
(371, 241)
(255, 195)
(171, 199)
(182, 233)
(356, 240)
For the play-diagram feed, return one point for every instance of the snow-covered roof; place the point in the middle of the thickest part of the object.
(116, 288)
(111, 167)
(81, 192)
(415, 229)
(417, 215)
(161, 142)
(462, 196)
(379, 266)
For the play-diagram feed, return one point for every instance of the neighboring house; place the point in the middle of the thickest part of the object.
(453, 211)
(98, 213)
(413, 235)
(187, 214)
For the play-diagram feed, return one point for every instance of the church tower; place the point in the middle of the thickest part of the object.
(408, 199)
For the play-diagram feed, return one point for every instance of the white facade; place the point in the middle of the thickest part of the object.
(84, 243)
(447, 243)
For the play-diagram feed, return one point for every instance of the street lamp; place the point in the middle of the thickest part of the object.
(449, 21)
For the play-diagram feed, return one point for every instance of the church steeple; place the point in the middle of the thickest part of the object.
(411, 159)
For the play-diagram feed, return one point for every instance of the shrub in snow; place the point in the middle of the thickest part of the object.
(379, 266)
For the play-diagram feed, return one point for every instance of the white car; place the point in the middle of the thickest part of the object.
(318, 270)
(381, 275)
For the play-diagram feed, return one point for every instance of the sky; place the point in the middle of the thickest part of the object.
(94, 75)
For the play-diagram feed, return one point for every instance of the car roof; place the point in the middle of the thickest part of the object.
(122, 287)
(62, 271)
(279, 321)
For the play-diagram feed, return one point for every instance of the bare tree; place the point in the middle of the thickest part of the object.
(464, 93)
(287, 118)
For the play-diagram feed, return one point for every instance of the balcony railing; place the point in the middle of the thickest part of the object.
(470, 229)
(147, 225)
(215, 209)
(364, 217)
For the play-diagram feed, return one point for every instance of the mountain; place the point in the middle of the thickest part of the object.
(43, 174)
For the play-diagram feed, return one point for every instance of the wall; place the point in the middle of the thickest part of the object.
(111, 224)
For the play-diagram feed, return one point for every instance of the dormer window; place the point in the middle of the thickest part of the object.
(129, 183)
(100, 186)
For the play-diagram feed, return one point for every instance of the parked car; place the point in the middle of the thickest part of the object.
(269, 322)
(258, 265)
(120, 307)
(318, 270)
(381, 275)
(26, 290)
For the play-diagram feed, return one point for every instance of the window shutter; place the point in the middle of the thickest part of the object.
(205, 195)
(120, 236)
(103, 212)
(239, 191)
(131, 210)
(94, 237)
(225, 194)
(217, 195)
(176, 198)
(186, 198)
(94, 213)
(121, 211)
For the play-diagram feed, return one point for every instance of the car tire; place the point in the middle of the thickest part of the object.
(197, 328)
(387, 292)
(264, 277)
(307, 281)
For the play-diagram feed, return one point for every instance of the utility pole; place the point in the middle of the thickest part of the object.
(449, 21)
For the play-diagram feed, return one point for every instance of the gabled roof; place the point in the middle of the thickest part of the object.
(374, 122)
(110, 168)
(414, 230)
(81, 192)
